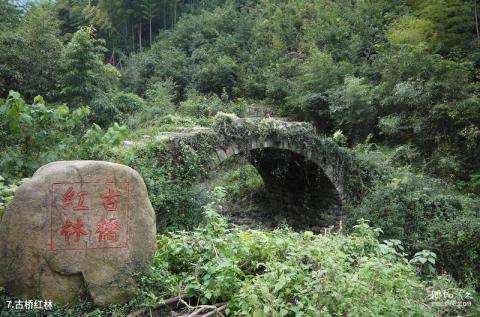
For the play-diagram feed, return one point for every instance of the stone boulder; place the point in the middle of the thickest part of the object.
(77, 229)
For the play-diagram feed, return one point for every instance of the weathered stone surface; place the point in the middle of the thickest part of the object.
(77, 228)
(222, 156)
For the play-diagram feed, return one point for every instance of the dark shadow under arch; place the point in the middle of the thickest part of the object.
(297, 187)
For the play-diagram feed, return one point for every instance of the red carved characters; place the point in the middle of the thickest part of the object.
(69, 197)
(108, 230)
(110, 200)
(69, 228)
(89, 215)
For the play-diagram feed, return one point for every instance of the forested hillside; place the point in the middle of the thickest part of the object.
(395, 84)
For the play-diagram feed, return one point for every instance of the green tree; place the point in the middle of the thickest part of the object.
(454, 23)
(414, 31)
(9, 15)
(85, 75)
(150, 9)
(30, 55)
(352, 107)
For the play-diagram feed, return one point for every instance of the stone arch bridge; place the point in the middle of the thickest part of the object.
(304, 173)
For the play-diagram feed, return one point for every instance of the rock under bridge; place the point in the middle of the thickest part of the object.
(305, 175)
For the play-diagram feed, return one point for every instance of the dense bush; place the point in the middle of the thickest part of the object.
(128, 103)
(31, 54)
(119, 107)
(199, 106)
(33, 135)
(104, 111)
(282, 273)
(161, 96)
(6, 194)
(241, 182)
(424, 214)
(169, 177)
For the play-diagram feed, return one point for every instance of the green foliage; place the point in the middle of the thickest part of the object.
(6, 194)
(160, 96)
(200, 106)
(352, 107)
(390, 125)
(85, 75)
(33, 135)
(170, 176)
(339, 138)
(128, 103)
(474, 183)
(218, 75)
(9, 15)
(104, 111)
(316, 77)
(241, 182)
(108, 108)
(31, 139)
(425, 262)
(282, 273)
(30, 55)
(100, 144)
(413, 31)
(159, 103)
(452, 22)
(424, 215)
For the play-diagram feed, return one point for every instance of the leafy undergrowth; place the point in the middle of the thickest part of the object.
(284, 273)
(423, 213)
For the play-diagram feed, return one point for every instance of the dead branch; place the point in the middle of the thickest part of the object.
(214, 309)
(167, 302)
(218, 310)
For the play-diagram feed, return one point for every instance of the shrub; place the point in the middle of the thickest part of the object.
(128, 103)
(104, 111)
(38, 134)
(283, 273)
(390, 125)
(6, 194)
(200, 106)
(220, 74)
(170, 177)
(161, 96)
(474, 184)
(352, 107)
(242, 181)
(108, 108)
(422, 214)
(159, 102)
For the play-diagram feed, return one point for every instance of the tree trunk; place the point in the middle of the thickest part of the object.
(164, 14)
(133, 37)
(140, 36)
(174, 13)
(112, 57)
(476, 23)
(150, 25)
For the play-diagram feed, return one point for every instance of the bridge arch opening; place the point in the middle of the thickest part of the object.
(296, 191)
